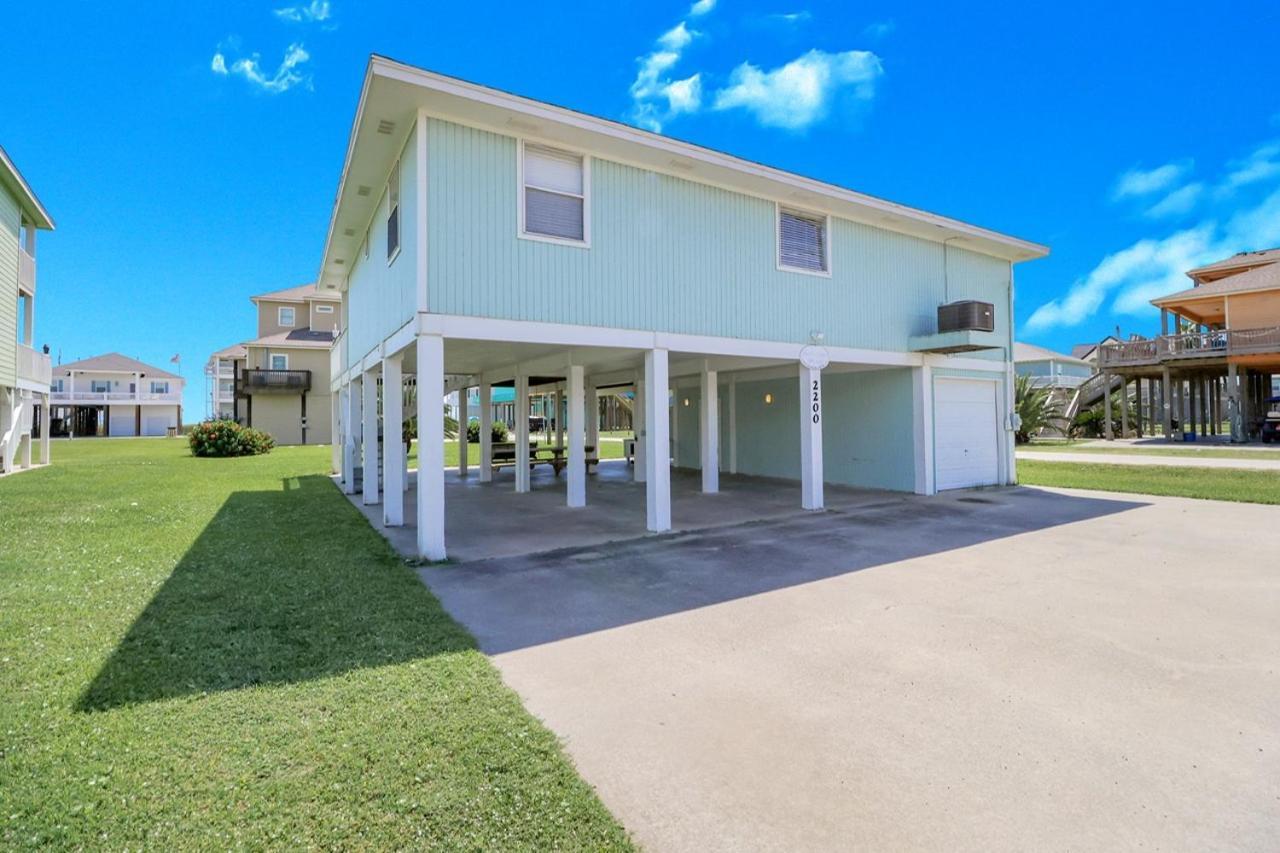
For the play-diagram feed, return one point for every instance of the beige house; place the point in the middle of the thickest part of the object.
(1217, 353)
(279, 381)
(114, 395)
(24, 371)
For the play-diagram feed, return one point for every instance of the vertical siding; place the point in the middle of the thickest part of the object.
(672, 255)
(383, 297)
(10, 224)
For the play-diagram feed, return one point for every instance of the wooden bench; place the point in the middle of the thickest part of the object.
(504, 456)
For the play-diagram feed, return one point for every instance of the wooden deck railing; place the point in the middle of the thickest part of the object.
(253, 381)
(1190, 346)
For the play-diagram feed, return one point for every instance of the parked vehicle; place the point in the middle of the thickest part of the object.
(1271, 422)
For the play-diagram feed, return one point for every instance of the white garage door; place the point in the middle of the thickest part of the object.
(155, 424)
(966, 433)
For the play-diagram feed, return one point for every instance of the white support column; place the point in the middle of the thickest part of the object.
(709, 431)
(733, 424)
(393, 451)
(637, 426)
(335, 437)
(922, 398)
(464, 418)
(559, 403)
(811, 437)
(657, 457)
(522, 433)
(350, 436)
(44, 429)
(576, 492)
(486, 431)
(369, 435)
(430, 378)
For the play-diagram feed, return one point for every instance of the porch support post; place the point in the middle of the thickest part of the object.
(591, 412)
(393, 451)
(733, 424)
(44, 429)
(369, 434)
(657, 456)
(486, 431)
(464, 418)
(638, 421)
(559, 404)
(335, 436)
(350, 436)
(576, 492)
(1124, 407)
(709, 431)
(1107, 432)
(1166, 404)
(811, 496)
(430, 378)
(922, 428)
(1246, 403)
(522, 433)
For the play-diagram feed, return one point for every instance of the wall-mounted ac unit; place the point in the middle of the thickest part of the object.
(967, 315)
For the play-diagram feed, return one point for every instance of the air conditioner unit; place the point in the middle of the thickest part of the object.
(967, 316)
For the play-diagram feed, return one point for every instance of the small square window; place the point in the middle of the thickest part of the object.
(554, 194)
(279, 361)
(159, 387)
(802, 241)
(285, 317)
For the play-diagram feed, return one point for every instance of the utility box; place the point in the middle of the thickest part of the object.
(968, 315)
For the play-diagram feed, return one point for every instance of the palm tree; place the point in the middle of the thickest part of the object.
(1036, 407)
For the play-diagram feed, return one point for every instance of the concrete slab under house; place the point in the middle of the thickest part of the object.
(768, 325)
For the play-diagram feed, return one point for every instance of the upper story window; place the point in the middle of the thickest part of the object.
(56, 386)
(159, 386)
(99, 386)
(279, 361)
(285, 317)
(393, 213)
(324, 309)
(803, 242)
(554, 194)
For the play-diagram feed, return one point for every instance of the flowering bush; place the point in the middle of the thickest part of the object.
(228, 438)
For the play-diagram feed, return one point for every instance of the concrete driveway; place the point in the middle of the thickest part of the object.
(1003, 670)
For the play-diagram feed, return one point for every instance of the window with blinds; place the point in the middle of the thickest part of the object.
(554, 193)
(802, 241)
(393, 212)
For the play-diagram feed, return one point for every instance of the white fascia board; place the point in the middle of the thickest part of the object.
(790, 189)
(985, 365)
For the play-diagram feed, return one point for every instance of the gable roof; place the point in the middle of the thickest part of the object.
(233, 351)
(393, 94)
(12, 178)
(1238, 261)
(1031, 352)
(113, 362)
(305, 338)
(1265, 277)
(301, 293)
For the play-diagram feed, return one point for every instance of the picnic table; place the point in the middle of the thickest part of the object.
(557, 456)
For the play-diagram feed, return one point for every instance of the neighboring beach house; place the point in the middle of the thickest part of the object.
(279, 381)
(809, 332)
(24, 370)
(1217, 354)
(114, 395)
(1049, 369)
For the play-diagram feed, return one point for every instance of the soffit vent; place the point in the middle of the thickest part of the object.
(385, 127)
(681, 164)
(339, 261)
(521, 124)
(362, 191)
(348, 232)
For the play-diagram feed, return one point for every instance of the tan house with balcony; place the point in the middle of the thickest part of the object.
(24, 371)
(279, 381)
(1217, 354)
(114, 395)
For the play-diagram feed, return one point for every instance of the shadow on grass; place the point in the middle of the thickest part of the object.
(281, 586)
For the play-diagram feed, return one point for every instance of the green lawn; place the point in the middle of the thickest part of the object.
(205, 654)
(1205, 453)
(1221, 484)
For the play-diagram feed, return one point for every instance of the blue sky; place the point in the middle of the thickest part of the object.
(190, 152)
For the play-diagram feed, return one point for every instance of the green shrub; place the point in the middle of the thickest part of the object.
(498, 431)
(228, 438)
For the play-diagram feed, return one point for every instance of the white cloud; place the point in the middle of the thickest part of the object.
(1178, 202)
(676, 39)
(800, 93)
(1261, 165)
(701, 7)
(286, 76)
(316, 10)
(656, 97)
(791, 17)
(1140, 182)
(879, 29)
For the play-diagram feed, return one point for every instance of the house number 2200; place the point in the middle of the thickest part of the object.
(816, 404)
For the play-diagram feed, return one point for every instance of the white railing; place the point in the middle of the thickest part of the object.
(1060, 381)
(87, 397)
(26, 271)
(34, 366)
